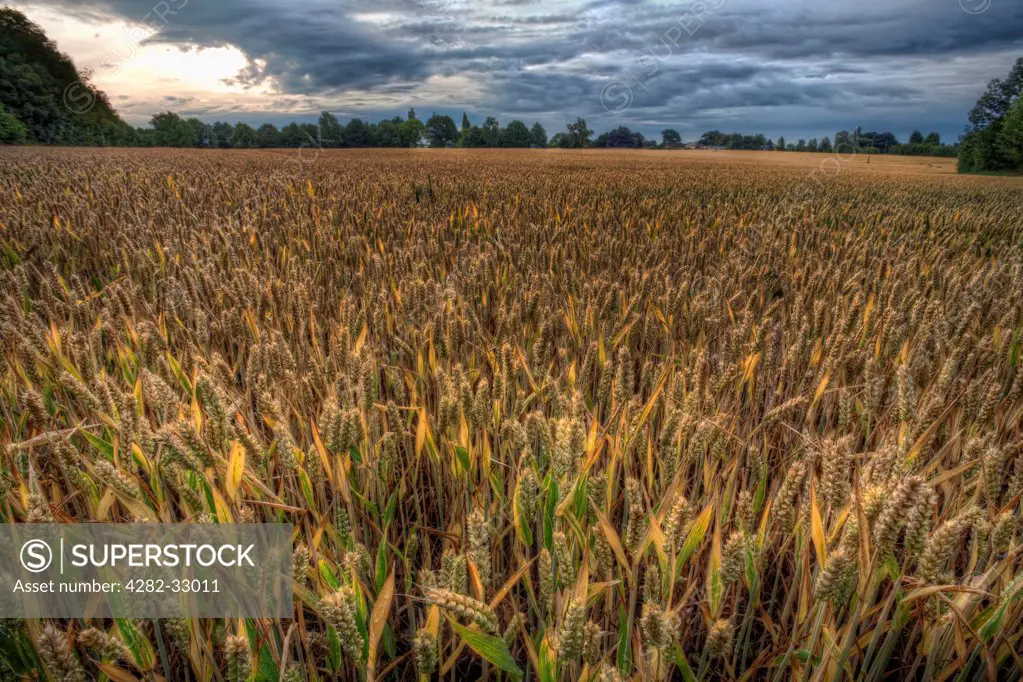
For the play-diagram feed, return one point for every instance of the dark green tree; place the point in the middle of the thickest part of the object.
(311, 137)
(223, 131)
(715, 138)
(411, 131)
(579, 134)
(358, 133)
(472, 138)
(331, 133)
(268, 136)
(293, 136)
(1010, 136)
(539, 135)
(670, 138)
(203, 135)
(619, 137)
(491, 132)
(985, 146)
(388, 134)
(883, 142)
(42, 88)
(516, 134)
(11, 129)
(441, 131)
(998, 98)
(845, 143)
(243, 136)
(172, 131)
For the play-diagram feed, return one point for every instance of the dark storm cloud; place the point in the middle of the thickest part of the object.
(758, 63)
(937, 28)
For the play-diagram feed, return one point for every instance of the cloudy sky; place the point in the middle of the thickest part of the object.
(782, 67)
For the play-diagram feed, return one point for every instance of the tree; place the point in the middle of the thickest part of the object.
(579, 134)
(268, 136)
(472, 138)
(883, 142)
(311, 136)
(223, 132)
(916, 138)
(933, 139)
(12, 131)
(979, 151)
(388, 134)
(243, 137)
(291, 136)
(781, 143)
(172, 131)
(42, 88)
(987, 146)
(358, 133)
(811, 146)
(999, 97)
(491, 132)
(825, 145)
(1010, 137)
(670, 138)
(332, 133)
(202, 133)
(465, 133)
(516, 134)
(539, 135)
(924, 149)
(619, 137)
(559, 140)
(411, 131)
(715, 138)
(441, 131)
(801, 145)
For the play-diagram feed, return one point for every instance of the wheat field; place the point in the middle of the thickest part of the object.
(539, 415)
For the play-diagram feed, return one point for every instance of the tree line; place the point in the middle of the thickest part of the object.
(438, 131)
(856, 141)
(43, 98)
(994, 137)
(170, 130)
